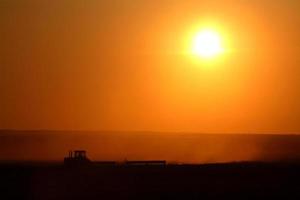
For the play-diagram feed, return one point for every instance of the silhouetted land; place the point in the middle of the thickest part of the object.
(211, 181)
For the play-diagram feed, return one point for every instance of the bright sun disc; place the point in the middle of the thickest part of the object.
(207, 44)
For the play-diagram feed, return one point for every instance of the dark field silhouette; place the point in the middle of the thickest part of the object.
(148, 166)
(213, 181)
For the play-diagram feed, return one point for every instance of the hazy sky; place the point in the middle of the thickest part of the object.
(121, 65)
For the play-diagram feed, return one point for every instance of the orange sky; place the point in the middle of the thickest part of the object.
(120, 65)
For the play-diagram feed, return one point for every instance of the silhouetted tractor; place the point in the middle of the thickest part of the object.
(77, 158)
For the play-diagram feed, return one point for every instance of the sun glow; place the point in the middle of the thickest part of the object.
(207, 44)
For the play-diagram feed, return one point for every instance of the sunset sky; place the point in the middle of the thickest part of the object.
(128, 65)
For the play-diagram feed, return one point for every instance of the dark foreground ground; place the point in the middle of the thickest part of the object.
(217, 181)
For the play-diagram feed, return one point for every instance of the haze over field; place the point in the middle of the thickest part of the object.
(172, 147)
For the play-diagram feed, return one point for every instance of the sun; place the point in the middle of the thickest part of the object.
(207, 44)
